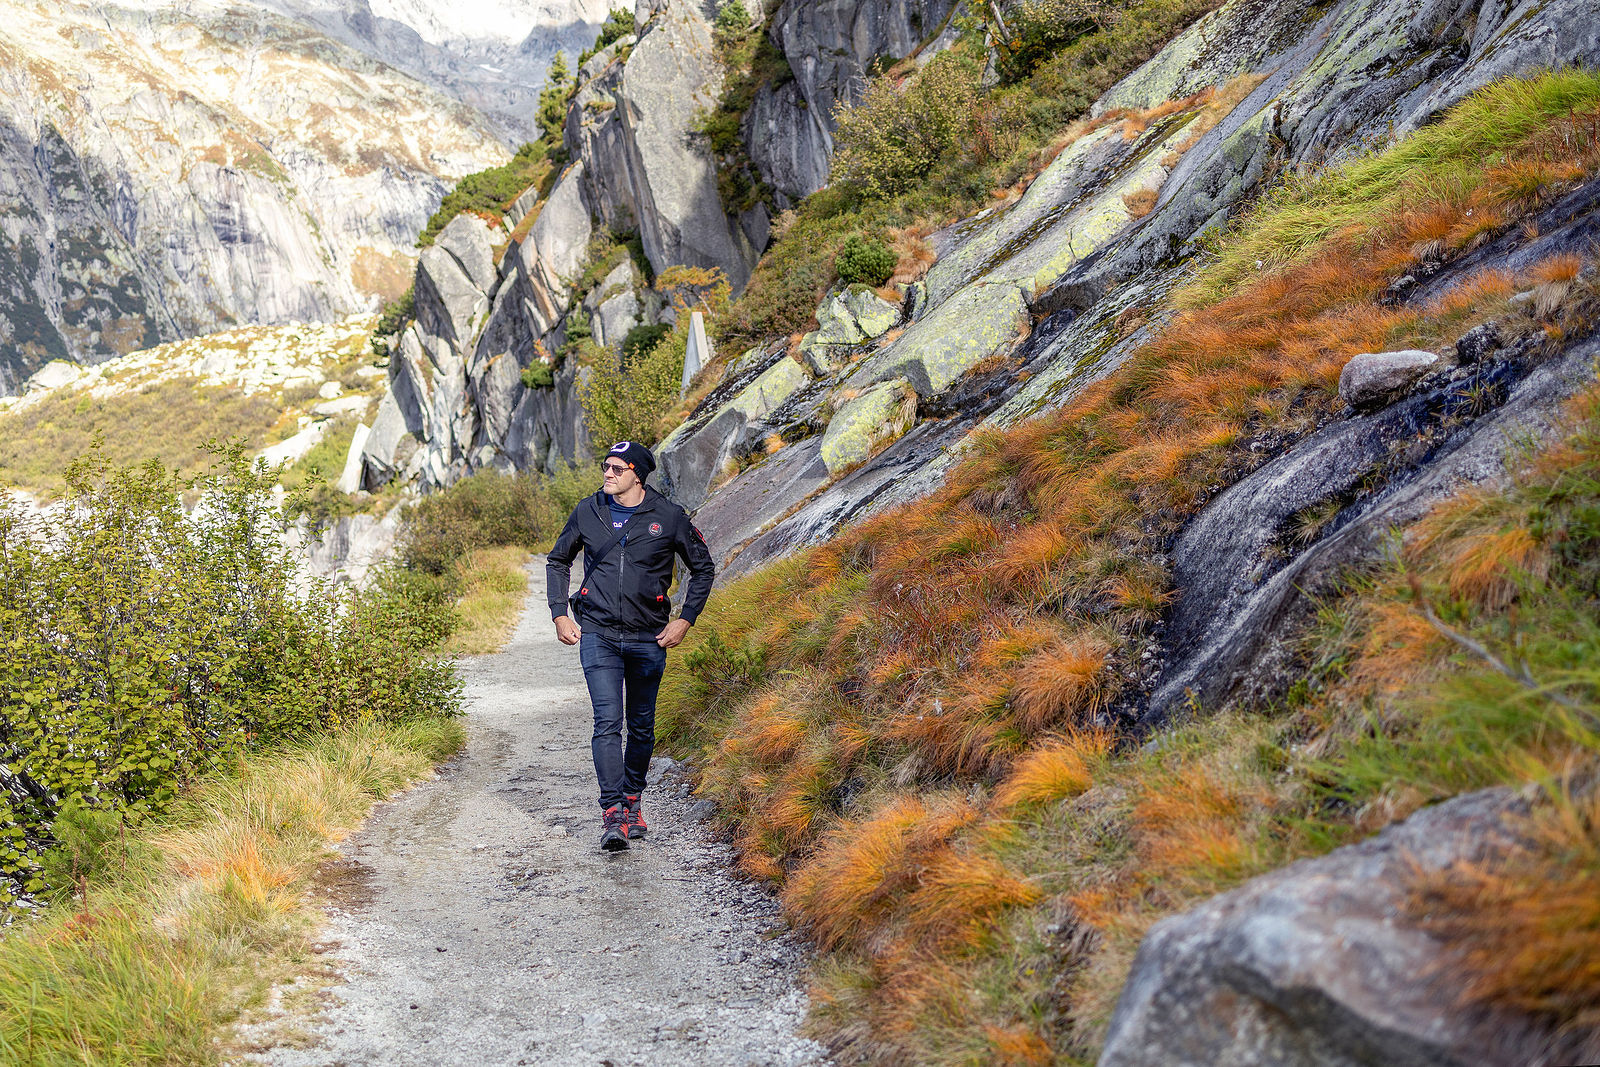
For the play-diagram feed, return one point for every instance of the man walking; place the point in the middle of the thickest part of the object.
(619, 619)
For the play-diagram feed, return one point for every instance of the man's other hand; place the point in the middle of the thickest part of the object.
(568, 631)
(674, 634)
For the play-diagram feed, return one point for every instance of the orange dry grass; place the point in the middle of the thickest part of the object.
(1141, 203)
(959, 894)
(916, 255)
(1053, 770)
(1017, 1046)
(1189, 823)
(852, 881)
(1064, 681)
(1525, 931)
(1398, 647)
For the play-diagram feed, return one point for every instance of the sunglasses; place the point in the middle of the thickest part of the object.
(614, 468)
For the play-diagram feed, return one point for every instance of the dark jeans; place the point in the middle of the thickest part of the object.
(623, 675)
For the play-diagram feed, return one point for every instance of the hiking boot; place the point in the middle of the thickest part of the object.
(636, 826)
(614, 826)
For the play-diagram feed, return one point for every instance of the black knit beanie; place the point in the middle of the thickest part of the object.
(636, 456)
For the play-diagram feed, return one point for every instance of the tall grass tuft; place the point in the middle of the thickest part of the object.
(180, 923)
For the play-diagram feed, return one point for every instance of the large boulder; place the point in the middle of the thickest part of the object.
(1372, 379)
(864, 423)
(1322, 963)
(696, 452)
(467, 238)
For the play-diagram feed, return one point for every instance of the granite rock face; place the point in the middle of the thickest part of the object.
(167, 172)
(631, 126)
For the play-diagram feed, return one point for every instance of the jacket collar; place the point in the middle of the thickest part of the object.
(602, 503)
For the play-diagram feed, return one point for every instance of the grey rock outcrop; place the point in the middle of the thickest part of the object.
(631, 127)
(1321, 963)
(1370, 380)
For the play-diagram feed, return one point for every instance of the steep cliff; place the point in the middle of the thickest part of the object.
(169, 171)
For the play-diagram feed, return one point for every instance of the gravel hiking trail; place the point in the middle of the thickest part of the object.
(474, 920)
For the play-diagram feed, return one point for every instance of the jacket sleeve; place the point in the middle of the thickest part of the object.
(702, 569)
(558, 566)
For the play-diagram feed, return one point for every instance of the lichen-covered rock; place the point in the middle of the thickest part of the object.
(1372, 379)
(1322, 963)
(864, 423)
(695, 453)
(950, 340)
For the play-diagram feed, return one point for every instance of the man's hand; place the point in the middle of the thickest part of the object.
(674, 634)
(568, 631)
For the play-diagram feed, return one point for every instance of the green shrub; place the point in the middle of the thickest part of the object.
(642, 340)
(487, 510)
(866, 261)
(733, 18)
(146, 646)
(625, 401)
(396, 315)
(619, 23)
(538, 375)
(1041, 28)
(885, 144)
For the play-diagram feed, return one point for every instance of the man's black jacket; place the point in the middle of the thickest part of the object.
(627, 590)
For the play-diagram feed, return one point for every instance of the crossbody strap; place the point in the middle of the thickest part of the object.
(591, 562)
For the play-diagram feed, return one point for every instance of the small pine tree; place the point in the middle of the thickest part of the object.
(553, 99)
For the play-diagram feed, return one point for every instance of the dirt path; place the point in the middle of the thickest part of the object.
(480, 924)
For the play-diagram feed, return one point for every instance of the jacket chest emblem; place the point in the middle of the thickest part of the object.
(655, 528)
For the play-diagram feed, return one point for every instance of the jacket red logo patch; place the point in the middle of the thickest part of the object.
(659, 598)
(584, 591)
(655, 528)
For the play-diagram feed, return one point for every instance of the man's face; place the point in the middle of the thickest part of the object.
(619, 477)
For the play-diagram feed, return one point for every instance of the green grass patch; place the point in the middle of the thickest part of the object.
(491, 192)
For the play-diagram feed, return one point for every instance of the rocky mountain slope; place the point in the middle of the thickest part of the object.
(491, 55)
(167, 171)
(1035, 757)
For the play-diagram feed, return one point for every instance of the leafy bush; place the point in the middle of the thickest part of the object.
(538, 375)
(894, 136)
(643, 339)
(146, 646)
(866, 261)
(634, 399)
(487, 510)
(1041, 28)
(492, 191)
